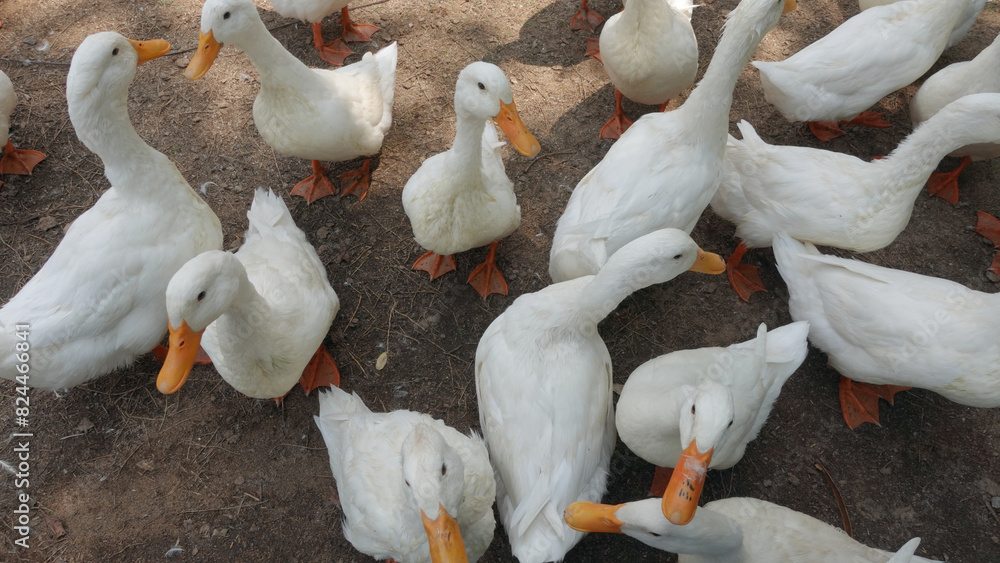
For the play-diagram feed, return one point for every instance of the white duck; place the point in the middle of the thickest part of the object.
(314, 11)
(14, 161)
(698, 409)
(890, 328)
(261, 314)
(731, 530)
(650, 53)
(353, 103)
(665, 169)
(411, 487)
(981, 74)
(543, 380)
(462, 199)
(866, 58)
(97, 302)
(836, 199)
(961, 28)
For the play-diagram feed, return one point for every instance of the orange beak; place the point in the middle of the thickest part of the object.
(184, 344)
(708, 263)
(680, 500)
(445, 538)
(149, 50)
(522, 139)
(208, 49)
(585, 516)
(789, 6)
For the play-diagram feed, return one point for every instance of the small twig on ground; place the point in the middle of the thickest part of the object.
(836, 494)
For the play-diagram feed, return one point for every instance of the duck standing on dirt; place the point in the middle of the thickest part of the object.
(397, 469)
(261, 314)
(313, 11)
(97, 302)
(866, 58)
(304, 112)
(462, 199)
(14, 161)
(886, 330)
(543, 381)
(835, 199)
(665, 169)
(698, 409)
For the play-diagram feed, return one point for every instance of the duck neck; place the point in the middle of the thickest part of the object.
(710, 101)
(605, 291)
(275, 65)
(102, 124)
(710, 537)
(919, 154)
(243, 329)
(468, 149)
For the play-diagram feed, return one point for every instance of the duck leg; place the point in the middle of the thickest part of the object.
(435, 264)
(315, 186)
(988, 226)
(661, 478)
(486, 277)
(19, 161)
(355, 32)
(333, 52)
(594, 48)
(945, 184)
(745, 278)
(619, 122)
(859, 401)
(868, 119)
(825, 130)
(663, 106)
(321, 371)
(356, 182)
(585, 18)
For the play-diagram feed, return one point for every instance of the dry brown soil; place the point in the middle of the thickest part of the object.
(122, 473)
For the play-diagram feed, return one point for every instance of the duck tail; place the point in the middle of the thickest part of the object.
(386, 59)
(336, 407)
(786, 350)
(268, 213)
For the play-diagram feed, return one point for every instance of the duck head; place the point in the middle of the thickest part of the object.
(483, 92)
(222, 21)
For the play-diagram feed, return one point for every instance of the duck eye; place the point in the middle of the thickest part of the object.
(678, 256)
(114, 51)
(654, 534)
(225, 16)
(692, 409)
(444, 470)
(407, 482)
(730, 424)
(201, 296)
(481, 86)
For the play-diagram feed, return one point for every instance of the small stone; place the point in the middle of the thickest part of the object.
(46, 223)
(238, 480)
(995, 503)
(182, 62)
(322, 232)
(992, 276)
(220, 532)
(84, 425)
(793, 479)
(205, 530)
(767, 482)
(885, 470)
(145, 465)
(30, 41)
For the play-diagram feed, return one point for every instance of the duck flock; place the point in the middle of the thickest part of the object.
(147, 261)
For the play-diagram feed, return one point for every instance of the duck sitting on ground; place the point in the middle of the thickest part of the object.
(462, 199)
(97, 302)
(261, 314)
(353, 103)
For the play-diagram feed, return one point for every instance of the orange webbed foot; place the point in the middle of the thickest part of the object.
(661, 478)
(486, 277)
(355, 32)
(333, 52)
(619, 122)
(945, 184)
(19, 161)
(869, 119)
(988, 226)
(315, 186)
(859, 401)
(594, 48)
(356, 182)
(745, 278)
(435, 264)
(585, 18)
(825, 130)
(321, 371)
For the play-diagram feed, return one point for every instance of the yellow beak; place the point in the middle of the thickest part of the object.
(184, 344)
(585, 516)
(514, 128)
(149, 50)
(680, 500)
(208, 49)
(789, 6)
(445, 538)
(708, 263)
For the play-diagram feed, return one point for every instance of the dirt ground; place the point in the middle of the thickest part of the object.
(123, 473)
